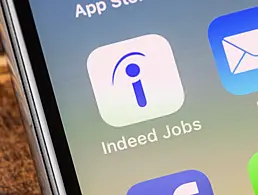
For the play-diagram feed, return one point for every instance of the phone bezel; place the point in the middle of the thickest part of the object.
(48, 100)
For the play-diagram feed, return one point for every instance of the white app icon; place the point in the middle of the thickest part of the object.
(187, 189)
(135, 80)
(241, 52)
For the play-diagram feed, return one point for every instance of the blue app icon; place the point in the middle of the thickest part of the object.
(184, 183)
(233, 40)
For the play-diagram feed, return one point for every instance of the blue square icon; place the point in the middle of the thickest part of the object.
(233, 40)
(183, 183)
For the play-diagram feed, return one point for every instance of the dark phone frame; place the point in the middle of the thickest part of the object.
(48, 100)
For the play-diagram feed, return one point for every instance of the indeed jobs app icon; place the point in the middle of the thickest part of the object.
(233, 39)
(184, 183)
(135, 80)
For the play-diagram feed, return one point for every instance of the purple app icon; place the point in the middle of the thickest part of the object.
(183, 183)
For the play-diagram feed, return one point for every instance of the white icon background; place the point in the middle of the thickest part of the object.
(158, 73)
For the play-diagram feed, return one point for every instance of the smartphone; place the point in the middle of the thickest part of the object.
(140, 97)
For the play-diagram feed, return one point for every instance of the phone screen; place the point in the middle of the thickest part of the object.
(156, 97)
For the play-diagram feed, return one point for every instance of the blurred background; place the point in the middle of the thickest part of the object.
(17, 170)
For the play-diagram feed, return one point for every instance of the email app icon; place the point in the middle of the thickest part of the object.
(233, 40)
(241, 52)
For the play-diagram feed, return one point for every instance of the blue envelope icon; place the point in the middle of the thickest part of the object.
(233, 39)
(241, 52)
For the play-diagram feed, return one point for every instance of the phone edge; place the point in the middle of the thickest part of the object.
(40, 140)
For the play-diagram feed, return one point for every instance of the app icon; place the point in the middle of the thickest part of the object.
(253, 172)
(135, 80)
(232, 39)
(183, 183)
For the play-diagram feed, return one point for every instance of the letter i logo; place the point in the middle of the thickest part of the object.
(133, 70)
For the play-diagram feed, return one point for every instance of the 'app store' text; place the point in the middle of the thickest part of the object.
(99, 7)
